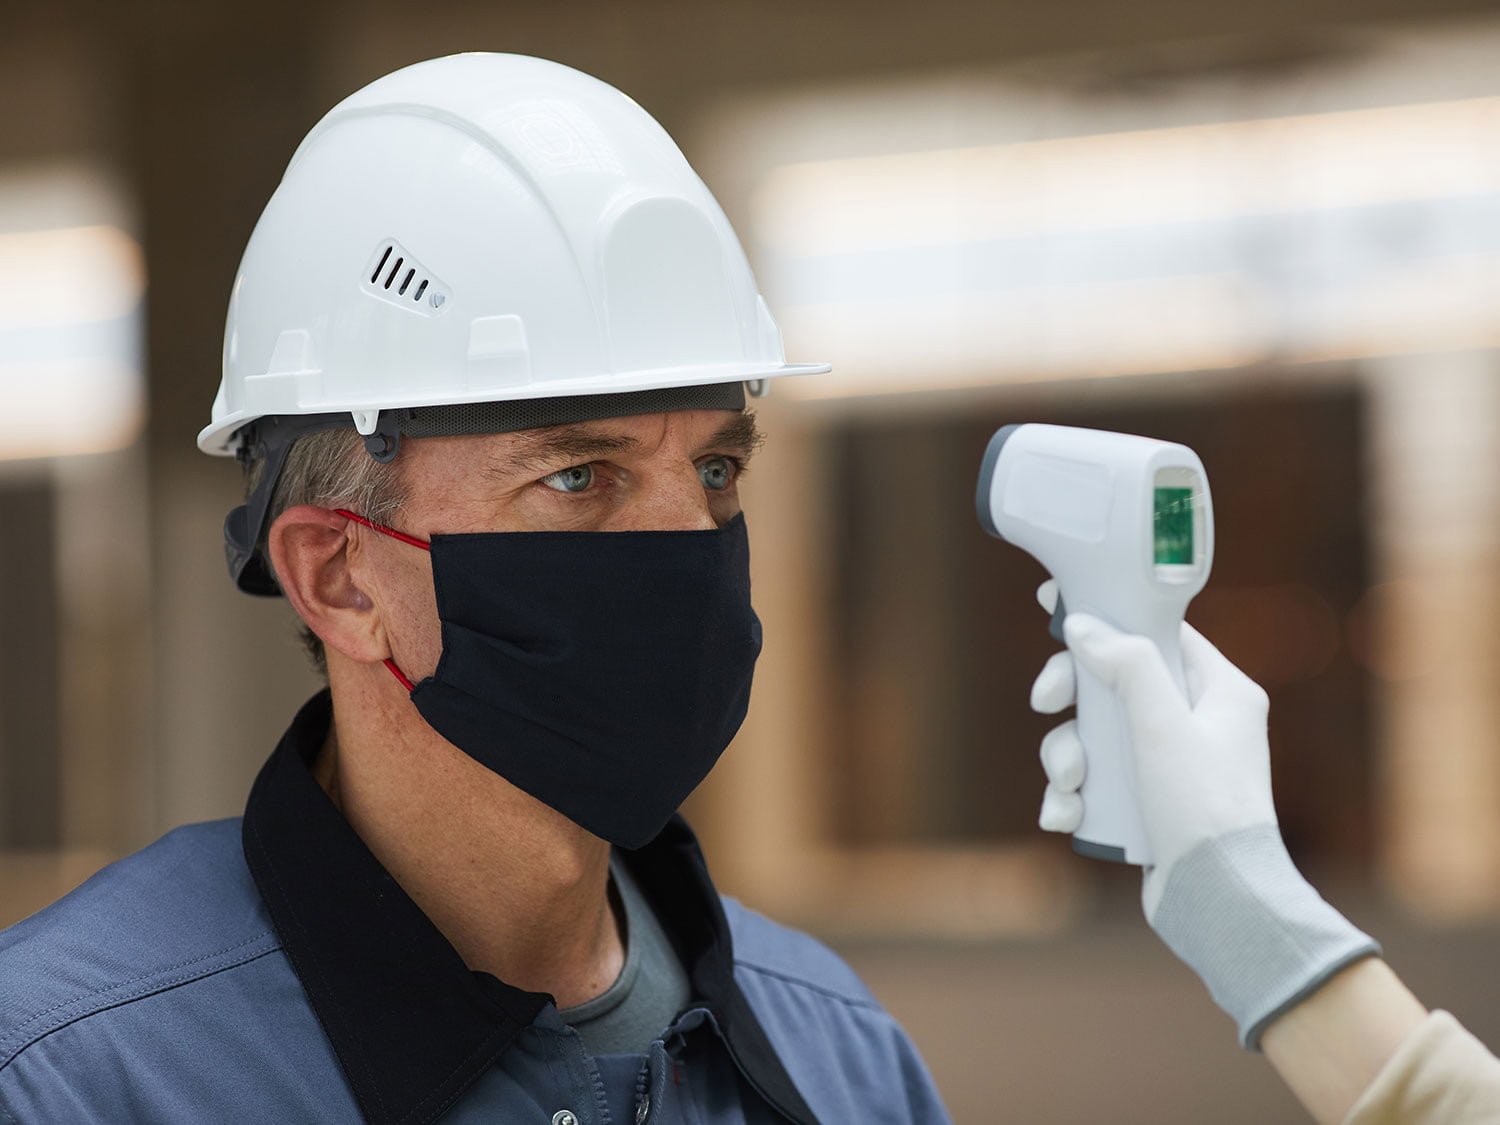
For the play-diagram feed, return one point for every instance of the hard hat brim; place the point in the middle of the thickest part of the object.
(217, 439)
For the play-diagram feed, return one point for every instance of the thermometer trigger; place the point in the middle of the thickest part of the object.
(1058, 616)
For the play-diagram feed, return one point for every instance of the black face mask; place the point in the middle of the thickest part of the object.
(602, 672)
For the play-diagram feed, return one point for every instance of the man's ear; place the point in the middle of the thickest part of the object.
(309, 549)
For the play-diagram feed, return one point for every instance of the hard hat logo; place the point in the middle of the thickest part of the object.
(485, 228)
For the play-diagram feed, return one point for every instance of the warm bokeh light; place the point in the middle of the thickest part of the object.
(70, 310)
(73, 276)
(1133, 178)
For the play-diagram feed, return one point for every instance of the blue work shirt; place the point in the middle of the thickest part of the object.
(269, 969)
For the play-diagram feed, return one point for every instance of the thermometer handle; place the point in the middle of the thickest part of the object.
(1112, 827)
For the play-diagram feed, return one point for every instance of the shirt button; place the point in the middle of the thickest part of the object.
(565, 1117)
(642, 1110)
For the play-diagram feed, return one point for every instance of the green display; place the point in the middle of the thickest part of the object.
(1174, 526)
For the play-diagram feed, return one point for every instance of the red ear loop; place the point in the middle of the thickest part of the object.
(400, 675)
(394, 534)
(380, 527)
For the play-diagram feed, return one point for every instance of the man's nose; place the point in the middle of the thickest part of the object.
(669, 502)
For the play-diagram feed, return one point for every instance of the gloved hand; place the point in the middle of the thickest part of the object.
(1223, 893)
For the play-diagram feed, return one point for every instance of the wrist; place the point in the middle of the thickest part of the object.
(1239, 913)
(1331, 1047)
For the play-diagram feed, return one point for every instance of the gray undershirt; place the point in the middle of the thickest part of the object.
(650, 991)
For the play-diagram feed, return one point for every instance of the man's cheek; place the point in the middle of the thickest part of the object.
(416, 638)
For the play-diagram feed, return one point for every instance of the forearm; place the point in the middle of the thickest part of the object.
(1330, 1047)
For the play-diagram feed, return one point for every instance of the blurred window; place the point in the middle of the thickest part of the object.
(71, 282)
(938, 637)
(71, 285)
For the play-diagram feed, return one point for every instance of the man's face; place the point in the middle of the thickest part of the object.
(655, 472)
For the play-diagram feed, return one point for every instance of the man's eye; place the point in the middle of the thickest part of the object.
(717, 473)
(575, 479)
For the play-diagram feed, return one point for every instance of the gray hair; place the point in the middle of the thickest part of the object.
(330, 468)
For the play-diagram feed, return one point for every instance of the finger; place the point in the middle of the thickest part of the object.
(1046, 595)
(1056, 687)
(1062, 758)
(1061, 812)
(1129, 665)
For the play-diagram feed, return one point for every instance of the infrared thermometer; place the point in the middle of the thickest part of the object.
(1125, 526)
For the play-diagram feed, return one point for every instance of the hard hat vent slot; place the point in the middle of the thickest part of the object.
(397, 277)
(381, 264)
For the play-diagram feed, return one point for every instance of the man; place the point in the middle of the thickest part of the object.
(485, 364)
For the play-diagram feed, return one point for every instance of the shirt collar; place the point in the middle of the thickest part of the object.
(411, 1024)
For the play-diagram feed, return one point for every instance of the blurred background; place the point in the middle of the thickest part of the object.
(1271, 231)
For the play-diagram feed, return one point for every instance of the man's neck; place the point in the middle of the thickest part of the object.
(519, 890)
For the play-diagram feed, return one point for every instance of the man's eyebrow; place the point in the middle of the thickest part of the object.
(742, 434)
(571, 443)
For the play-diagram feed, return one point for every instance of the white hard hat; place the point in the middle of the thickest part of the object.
(481, 229)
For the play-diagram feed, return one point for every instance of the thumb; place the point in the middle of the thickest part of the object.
(1127, 664)
(1202, 660)
(1222, 687)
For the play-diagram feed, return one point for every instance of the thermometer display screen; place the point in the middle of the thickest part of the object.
(1174, 526)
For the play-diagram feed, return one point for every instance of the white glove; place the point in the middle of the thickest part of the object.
(1206, 767)
(1223, 893)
